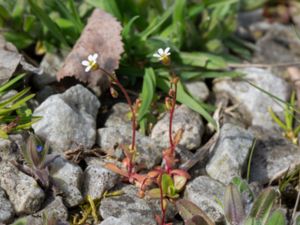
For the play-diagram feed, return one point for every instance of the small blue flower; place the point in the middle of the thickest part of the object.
(39, 148)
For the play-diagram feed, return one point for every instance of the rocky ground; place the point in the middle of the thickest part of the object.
(69, 123)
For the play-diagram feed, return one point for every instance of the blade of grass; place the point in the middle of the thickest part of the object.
(11, 82)
(48, 22)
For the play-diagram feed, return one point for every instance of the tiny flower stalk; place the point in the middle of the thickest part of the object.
(91, 64)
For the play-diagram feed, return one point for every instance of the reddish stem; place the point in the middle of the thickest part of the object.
(133, 118)
(171, 118)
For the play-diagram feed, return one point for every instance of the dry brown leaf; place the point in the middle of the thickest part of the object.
(101, 35)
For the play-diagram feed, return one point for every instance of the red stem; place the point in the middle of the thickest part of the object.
(133, 118)
(171, 119)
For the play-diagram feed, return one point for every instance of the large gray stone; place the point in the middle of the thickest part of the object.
(184, 118)
(97, 180)
(118, 115)
(198, 89)
(68, 119)
(22, 190)
(109, 139)
(115, 221)
(68, 177)
(272, 155)
(6, 208)
(230, 153)
(253, 102)
(280, 44)
(54, 209)
(131, 207)
(205, 192)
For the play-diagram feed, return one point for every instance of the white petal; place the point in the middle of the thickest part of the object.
(85, 63)
(95, 56)
(88, 68)
(167, 50)
(160, 51)
(90, 58)
(156, 55)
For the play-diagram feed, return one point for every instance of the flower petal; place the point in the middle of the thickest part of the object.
(167, 51)
(90, 58)
(85, 63)
(160, 51)
(88, 68)
(156, 55)
(95, 56)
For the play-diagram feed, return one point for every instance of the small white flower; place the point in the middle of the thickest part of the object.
(91, 63)
(163, 55)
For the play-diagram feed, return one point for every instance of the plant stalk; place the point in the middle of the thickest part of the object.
(133, 118)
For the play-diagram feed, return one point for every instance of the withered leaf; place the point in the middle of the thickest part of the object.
(101, 35)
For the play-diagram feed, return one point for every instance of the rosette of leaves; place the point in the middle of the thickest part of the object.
(14, 113)
(261, 213)
(37, 161)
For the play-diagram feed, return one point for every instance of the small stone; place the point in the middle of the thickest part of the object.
(54, 209)
(10, 149)
(97, 180)
(10, 60)
(272, 154)
(253, 103)
(230, 153)
(50, 65)
(198, 89)
(184, 118)
(6, 208)
(68, 177)
(118, 116)
(68, 119)
(129, 208)
(205, 192)
(22, 190)
(109, 138)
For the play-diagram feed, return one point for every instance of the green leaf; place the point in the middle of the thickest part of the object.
(14, 98)
(252, 221)
(277, 218)
(110, 6)
(70, 15)
(166, 183)
(233, 205)
(205, 60)
(17, 104)
(48, 22)
(186, 99)
(4, 13)
(128, 27)
(242, 186)
(263, 204)
(156, 24)
(22, 221)
(148, 91)
(3, 134)
(277, 120)
(20, 40)
(11, 82)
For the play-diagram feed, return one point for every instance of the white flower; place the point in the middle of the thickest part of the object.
(163, 55)
(91, 63)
